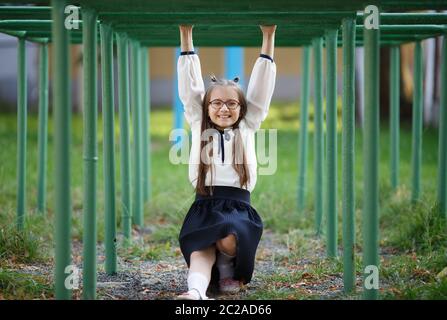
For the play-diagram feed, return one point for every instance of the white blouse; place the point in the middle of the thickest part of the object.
(259, 94)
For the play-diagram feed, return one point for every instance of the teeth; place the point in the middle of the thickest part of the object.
(224, 117)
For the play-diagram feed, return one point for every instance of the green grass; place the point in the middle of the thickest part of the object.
(407, 228)
(416, 227)
(27, 246)
(145, 250)
(17, 285)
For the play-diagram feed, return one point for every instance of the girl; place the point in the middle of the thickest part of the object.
(221, 230)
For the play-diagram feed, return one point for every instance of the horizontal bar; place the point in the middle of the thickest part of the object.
(408, 18)
(76, 38)
(31, 24)
(261, 5)
(162, 30)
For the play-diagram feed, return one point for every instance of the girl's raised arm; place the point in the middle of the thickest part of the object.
(186, 38)
(262, 80)
(268, 40)
(190, 82)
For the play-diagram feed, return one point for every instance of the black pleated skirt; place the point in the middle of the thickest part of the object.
(211, 218)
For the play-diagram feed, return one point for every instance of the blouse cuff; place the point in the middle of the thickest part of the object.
(186, 53)
(266, 56)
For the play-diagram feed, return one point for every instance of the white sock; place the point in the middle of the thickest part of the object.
(225, 265)
(198, 281)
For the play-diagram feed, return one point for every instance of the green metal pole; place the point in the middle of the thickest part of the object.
(140, 131)
(417, 123)
(371, 160)
(331, 144)
(303, 137)
(62, 142)
(147, 82)
(124, 108)
(43, 128)
(21, 132)
(109, 147)
(348, 154)
(136, 119)
(394, 123)
(90, 110)
(145, 122)
(318, 136)
(442, 157)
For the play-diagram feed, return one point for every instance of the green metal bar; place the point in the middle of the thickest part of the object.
(416, 154)
(408, 18)
(395, 107)
(141, 132)
(43, 12)
(29, 23)
(385, 41)
(348, 154)
(13, 33)
(41, 40)
(43, 128)
(371, 159)
(10, 12)
(318, 136)
(411, 29)
(258, 13)
(165, 29)
(322, 18)
(62, 143)
(303, 138)
(90, 112)
(21, 132)
(212, 39)
(331, 144)
(442, 156)
(207, 38)
(265, 5)
(213, 28)
(240, 5)
(109, 147)
(121, 20)
(145, 127)
(124, 109)
(149, 150)
(113, 12)
(137, 134)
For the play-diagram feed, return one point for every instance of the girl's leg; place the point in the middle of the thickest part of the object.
(199, 275)
(202, 261)
(225, 264)
(227, 245)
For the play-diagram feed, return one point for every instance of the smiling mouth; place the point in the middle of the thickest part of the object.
(224, 117)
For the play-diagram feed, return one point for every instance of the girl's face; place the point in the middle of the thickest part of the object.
(224, 107)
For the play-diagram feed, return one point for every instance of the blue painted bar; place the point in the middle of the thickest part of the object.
(234, 64)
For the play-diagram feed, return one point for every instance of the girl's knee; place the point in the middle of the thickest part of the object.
(227, 245)
(208, 253)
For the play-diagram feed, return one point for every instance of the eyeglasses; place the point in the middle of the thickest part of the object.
(216, 104)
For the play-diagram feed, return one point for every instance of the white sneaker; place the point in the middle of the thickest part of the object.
(192, 294)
